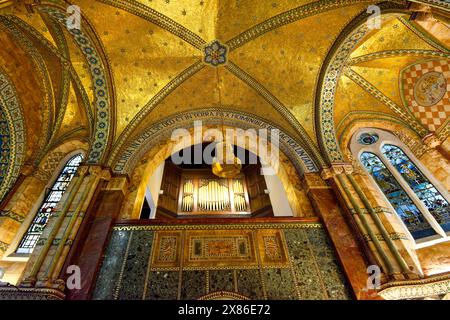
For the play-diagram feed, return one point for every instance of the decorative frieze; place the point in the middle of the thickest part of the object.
(12, 293)
(415, 289)
(337, 168)
(392, 236)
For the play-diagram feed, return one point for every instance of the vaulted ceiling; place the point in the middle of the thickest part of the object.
(153, 53)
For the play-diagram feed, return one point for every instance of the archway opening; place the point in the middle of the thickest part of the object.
(184, 186)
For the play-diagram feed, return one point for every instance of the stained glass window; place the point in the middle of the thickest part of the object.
(402, 203)
(433, 200)
(48, 207)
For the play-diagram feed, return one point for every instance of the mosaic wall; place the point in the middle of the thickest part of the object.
(149, 262)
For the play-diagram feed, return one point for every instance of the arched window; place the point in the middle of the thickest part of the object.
(422, 205)
(55, 194)
(433, 200)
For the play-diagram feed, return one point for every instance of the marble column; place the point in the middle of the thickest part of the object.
(349, 250)
(392, 250)
(41, 276)
(91, 242)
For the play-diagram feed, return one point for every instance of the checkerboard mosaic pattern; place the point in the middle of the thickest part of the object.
(433, 117)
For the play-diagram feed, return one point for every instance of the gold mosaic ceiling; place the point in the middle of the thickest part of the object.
(144, 58)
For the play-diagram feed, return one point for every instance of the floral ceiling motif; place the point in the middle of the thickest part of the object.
(215, 53)
(430, 88)
(426, 91)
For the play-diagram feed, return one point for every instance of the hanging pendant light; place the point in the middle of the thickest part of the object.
(225, 164)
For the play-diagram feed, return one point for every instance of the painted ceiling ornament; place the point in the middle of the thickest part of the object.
(430, 88)
(368, 138)
(215, 53)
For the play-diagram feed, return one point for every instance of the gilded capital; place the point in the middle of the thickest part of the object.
(337, 168)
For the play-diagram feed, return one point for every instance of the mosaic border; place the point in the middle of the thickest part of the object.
(330, 73)
(231, 226)
(101, 91)
(10, 105)
(129, 153)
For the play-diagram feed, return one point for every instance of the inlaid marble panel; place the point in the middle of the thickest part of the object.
(162, 285)
(221, 280)
(283, 263)
(110, 270)
(135, 267)
(193, 285)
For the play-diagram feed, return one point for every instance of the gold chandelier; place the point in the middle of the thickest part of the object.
(225, 164)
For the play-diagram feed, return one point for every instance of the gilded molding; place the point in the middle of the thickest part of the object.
(14, 293)
(397, 53)
(337, 168)
(3, 246)
(377, 210)
(442, 4)
(414, 289)
(223, 295)
(233, 226)
(12, 110)
(128, 155)
(392, 236)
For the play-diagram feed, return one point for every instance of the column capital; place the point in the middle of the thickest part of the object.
(431, 141)
(118, 183)
(313, 181)
(337, 168)
(101, 172)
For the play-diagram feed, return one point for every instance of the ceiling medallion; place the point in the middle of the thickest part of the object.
(368, 138)
(215, 53)
(430, 88)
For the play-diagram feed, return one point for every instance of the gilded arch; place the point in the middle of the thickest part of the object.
(102, 83)
(15, 138)
(331, 71)
(124, 159)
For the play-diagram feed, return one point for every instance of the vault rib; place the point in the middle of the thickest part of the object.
(368, 87)
(140, 10)
(288, 17)
(424, 35)
(397, 53)
(156, 100)
(275, 103)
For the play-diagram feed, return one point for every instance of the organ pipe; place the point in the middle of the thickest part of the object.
(213, 195)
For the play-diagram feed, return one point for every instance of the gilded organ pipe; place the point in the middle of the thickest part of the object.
(213, 195)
